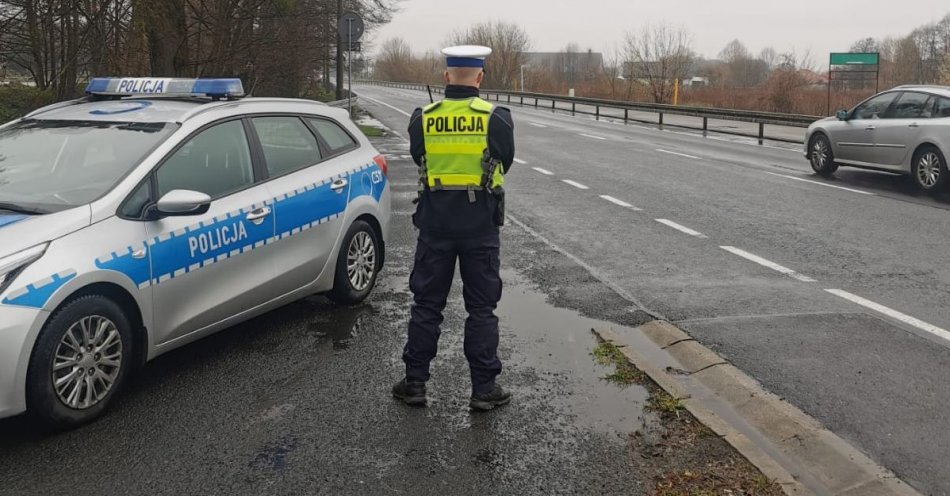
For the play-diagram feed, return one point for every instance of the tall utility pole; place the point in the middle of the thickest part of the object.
(339, 53)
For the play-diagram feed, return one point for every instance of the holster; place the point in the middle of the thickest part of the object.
(499, 194)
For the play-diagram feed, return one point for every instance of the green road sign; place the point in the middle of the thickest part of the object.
(855, 59)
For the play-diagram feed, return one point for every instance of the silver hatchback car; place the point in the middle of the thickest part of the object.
(905, 130)
(157, 211)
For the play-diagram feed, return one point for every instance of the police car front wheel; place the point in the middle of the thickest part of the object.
(357, 264)
(80, 361)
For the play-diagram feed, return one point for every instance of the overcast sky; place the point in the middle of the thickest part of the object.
(819, 25)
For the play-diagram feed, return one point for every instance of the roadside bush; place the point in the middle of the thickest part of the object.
(17, 100)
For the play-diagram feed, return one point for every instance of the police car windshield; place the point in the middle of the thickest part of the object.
(48, 166)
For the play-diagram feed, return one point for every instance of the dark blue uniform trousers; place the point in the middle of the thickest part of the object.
(430, 282)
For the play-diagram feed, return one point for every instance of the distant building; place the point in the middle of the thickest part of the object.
(569, 67)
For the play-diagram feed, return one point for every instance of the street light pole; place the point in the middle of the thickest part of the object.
(522, 76)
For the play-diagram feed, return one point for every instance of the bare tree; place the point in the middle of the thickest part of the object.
(611, 72)
(659, 55)
(742, 70)
(866, 45)
(394, 61)
(769, 56)
(508, 42)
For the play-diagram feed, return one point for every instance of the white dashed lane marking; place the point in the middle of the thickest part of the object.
(767, 263)
(403, 112)
(678, 154)
(543, 171)
(575, 184)
(821, 184)
(681, 228)
(519, 161)
(894, 314)
(591, 136)
(620, 202)
(536, 124)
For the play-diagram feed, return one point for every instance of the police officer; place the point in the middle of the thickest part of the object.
(463, 146)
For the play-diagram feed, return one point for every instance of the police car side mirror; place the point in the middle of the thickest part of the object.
(182, 203)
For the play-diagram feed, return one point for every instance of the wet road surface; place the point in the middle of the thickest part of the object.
(298, 402)
(831, 293)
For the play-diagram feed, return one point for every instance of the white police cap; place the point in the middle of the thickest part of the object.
(466, 55)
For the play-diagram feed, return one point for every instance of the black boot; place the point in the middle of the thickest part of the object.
(487, 401)
(410, 393)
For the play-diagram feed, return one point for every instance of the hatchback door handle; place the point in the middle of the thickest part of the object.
(257, 217)
(338, 185)
(869, 128)
(914, 124)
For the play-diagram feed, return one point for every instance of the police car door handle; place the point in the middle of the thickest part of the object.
(338, 185)
(257, 216)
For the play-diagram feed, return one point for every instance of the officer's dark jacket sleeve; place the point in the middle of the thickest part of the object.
(417, 144)
(501, 137)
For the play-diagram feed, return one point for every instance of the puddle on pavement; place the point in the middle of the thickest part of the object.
(558, 343)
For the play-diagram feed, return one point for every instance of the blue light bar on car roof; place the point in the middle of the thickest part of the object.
(215, 88)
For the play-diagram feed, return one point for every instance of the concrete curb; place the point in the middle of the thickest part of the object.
(783, 442)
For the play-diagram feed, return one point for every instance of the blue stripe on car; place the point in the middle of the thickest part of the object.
(175, 254)
(6, 220)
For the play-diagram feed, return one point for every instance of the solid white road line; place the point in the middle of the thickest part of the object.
(543, 171)
(821, 183)
(681, 228)
(620, 202)
(677, 154)
(767, 263)
(519, 161)
(403, 112)
(894, 314)
(591, 136)
(535, 124)
(575, 184)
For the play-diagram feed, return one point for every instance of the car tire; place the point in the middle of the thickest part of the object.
(103, 334)
(821, 156)
(357, 265)
(929, 169)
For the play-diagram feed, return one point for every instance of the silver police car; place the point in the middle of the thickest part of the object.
(155, 212)
(905, 130)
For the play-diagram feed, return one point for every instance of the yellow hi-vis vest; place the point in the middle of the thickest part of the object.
(456, 140)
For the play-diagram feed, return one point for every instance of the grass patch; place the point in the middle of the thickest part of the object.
(662, 402)
(370, 131)
(624, 374)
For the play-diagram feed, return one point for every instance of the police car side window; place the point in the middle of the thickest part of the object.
(217, 161)
(287, 143)
(335, 137)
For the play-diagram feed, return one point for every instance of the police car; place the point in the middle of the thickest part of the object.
(154, 212)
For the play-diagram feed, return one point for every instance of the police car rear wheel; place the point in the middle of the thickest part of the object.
(357, 265)
(79, 362)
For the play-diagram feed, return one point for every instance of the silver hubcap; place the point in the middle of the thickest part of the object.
(361, 261)
(819, 154)
(87, 362)
(928, 169)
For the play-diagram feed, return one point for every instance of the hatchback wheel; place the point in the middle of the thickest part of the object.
(929, 170)
(357, 265)
(81, 360)
(821, 157)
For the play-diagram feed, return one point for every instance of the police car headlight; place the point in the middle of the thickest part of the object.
(13, 265)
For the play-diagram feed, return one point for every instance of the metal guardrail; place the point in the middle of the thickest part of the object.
(576, 105)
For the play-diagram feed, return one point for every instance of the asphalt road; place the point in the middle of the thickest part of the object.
(298, 401)
(830, 292)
